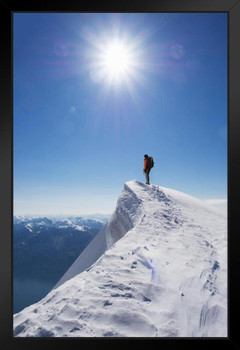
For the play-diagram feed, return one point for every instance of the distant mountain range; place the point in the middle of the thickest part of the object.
(44, 248)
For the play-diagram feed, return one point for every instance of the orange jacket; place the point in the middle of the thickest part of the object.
(145, 164)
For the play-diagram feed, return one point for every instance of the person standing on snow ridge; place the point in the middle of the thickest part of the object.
(148, 164)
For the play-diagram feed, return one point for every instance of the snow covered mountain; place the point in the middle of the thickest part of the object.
(43, 223)
(158, 268)
(43, 245)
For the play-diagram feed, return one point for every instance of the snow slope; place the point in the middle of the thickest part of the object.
(125, 216)
(160, 270)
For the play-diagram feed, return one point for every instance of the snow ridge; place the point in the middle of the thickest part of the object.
(158, 268)
(128, 211)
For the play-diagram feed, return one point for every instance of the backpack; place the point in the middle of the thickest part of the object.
(150, 162)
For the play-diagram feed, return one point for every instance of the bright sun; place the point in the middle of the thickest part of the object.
(116, 60)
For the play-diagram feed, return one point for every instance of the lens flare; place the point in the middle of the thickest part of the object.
(177, 52)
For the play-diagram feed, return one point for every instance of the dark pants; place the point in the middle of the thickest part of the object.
(147, 171)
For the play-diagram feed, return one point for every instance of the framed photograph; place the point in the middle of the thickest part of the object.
(120, 174)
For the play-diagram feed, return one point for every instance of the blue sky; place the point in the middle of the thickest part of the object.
(78, 135)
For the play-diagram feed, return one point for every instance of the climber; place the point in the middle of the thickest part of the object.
(148, 165)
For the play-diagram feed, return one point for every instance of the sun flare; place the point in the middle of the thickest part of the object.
(116, 60)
